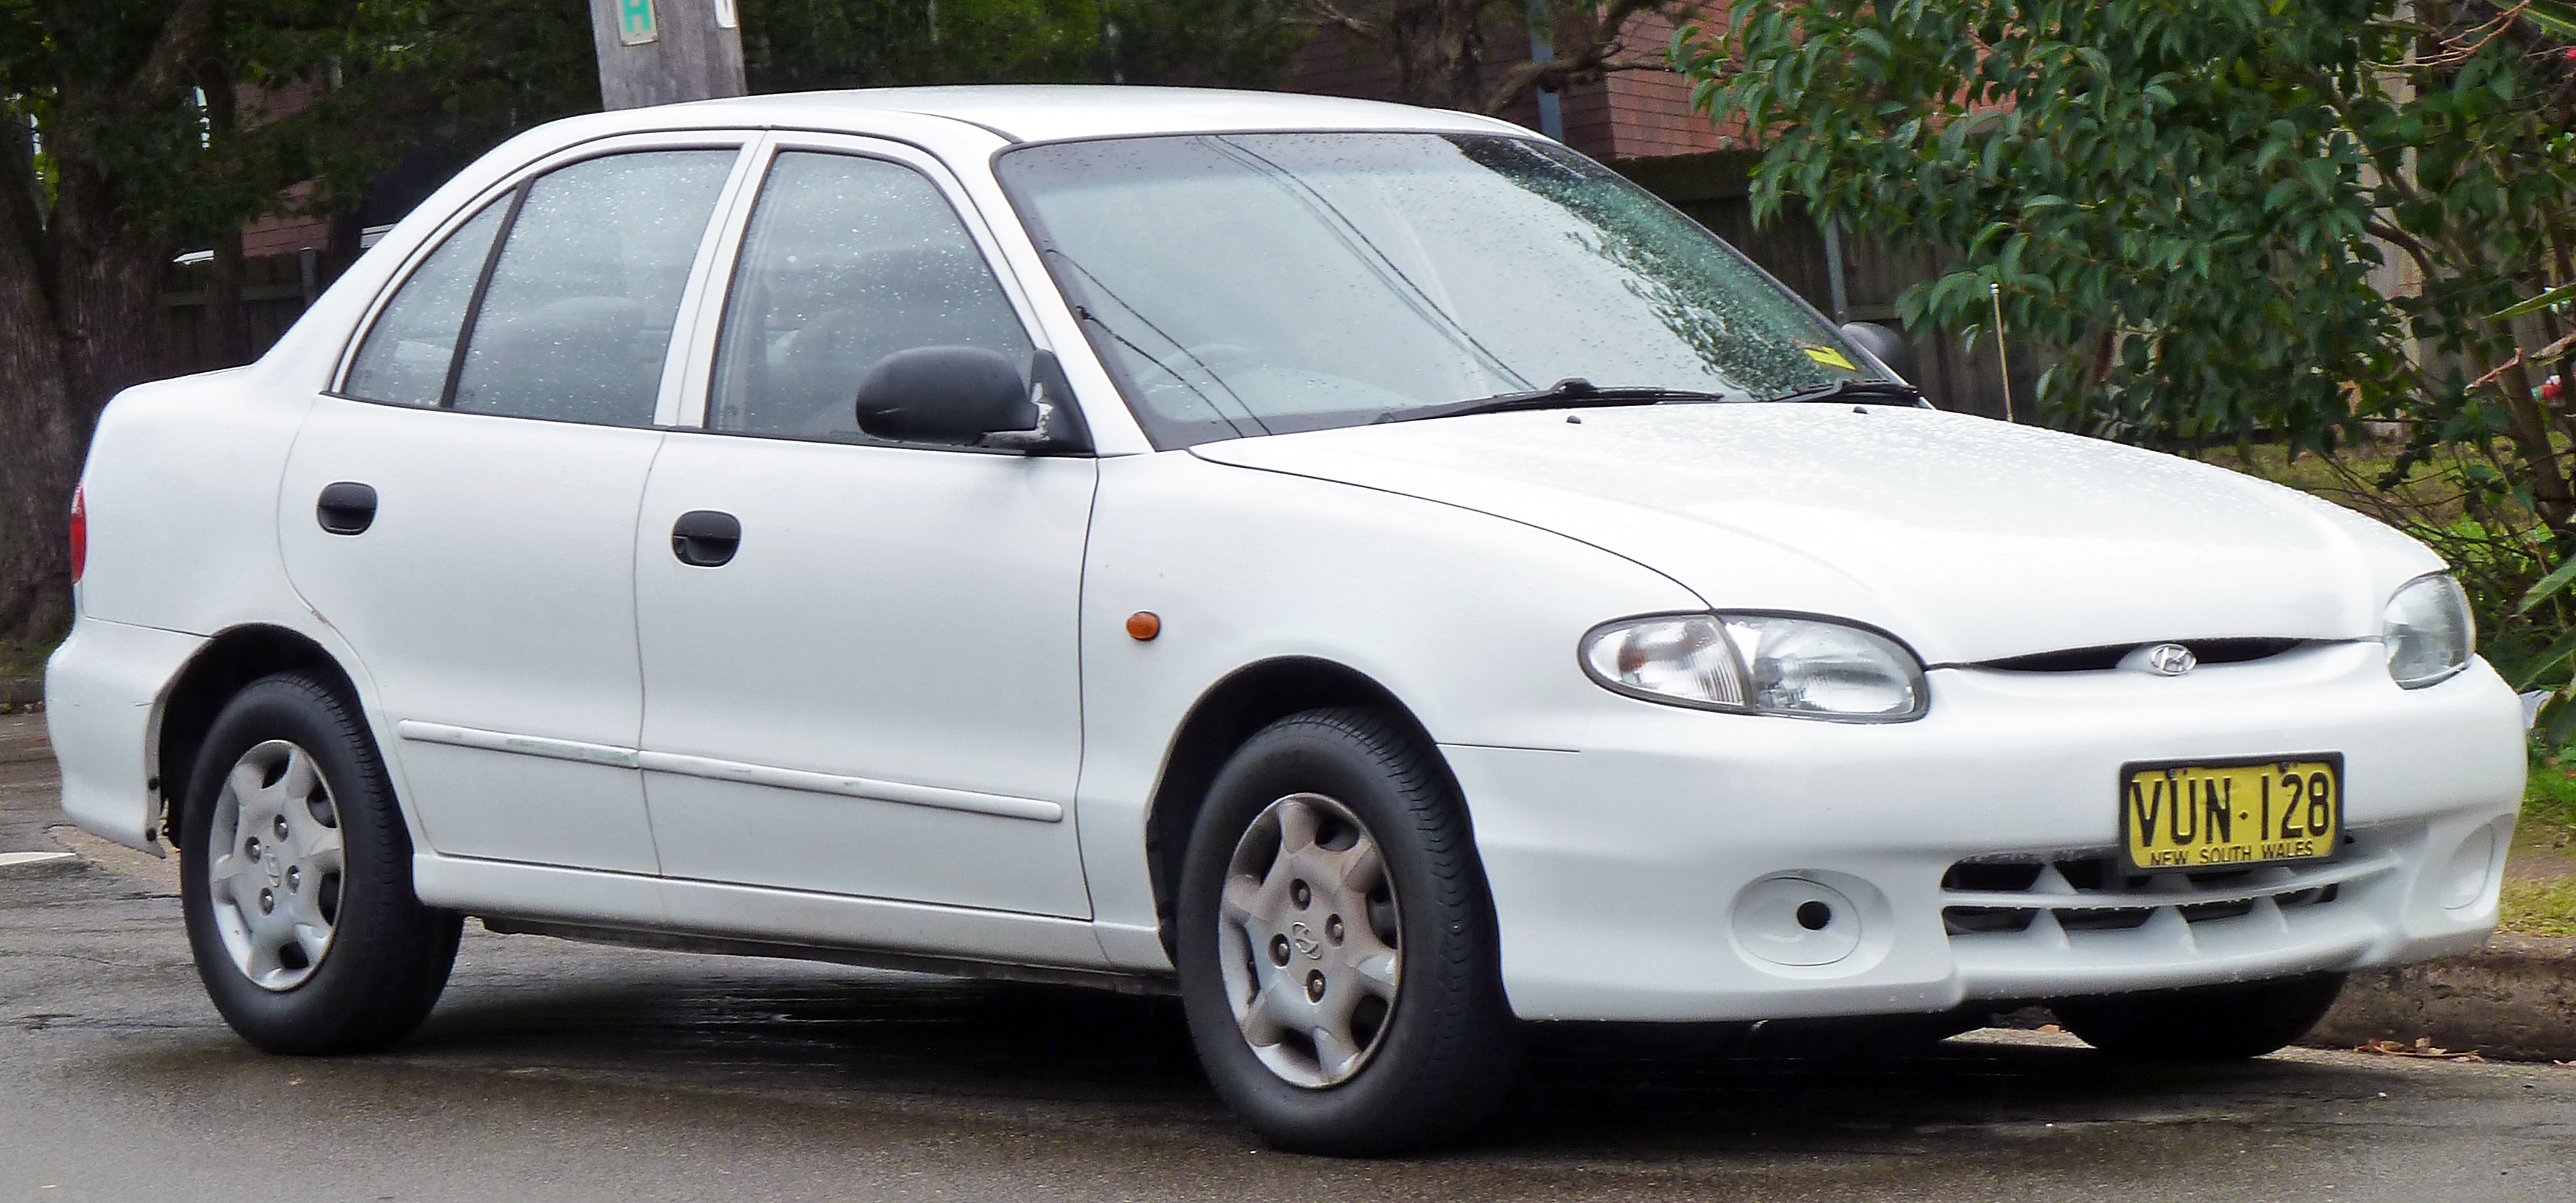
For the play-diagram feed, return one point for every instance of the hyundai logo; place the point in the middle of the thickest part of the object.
(2171, 660)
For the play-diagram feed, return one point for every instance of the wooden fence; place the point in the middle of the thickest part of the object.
(275, 291)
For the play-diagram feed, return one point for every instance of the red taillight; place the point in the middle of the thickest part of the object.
(80, 534)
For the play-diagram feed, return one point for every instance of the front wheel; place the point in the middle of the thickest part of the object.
(2202, 1023)
(295, 879)
(1337, 953)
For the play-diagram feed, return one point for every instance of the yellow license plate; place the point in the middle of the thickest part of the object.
(2231, 814)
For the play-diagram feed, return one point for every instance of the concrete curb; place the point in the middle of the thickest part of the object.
(2513, 1000)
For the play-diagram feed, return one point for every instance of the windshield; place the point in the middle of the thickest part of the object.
(1249, 284)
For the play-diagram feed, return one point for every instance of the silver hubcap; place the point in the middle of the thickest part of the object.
(275, 874)
(1308, 939)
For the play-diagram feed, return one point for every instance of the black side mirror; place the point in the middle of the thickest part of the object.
(970, 397)
(1889, 346)
(944, 395)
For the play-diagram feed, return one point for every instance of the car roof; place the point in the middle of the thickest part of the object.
(1048, 112)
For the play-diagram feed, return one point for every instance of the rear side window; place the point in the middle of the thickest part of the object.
(577, 316)
(405, 358)
(848, 260)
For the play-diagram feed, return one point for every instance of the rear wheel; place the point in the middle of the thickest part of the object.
(2202, 1023)
(295, 879)
(1336, 946)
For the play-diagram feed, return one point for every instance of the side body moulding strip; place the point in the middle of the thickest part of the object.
(1000, 806)
(524, 745)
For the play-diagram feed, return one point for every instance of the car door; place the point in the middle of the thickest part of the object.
(859, 658)
(461, 507)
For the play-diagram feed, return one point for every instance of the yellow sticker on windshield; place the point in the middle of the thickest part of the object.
(1829, 357)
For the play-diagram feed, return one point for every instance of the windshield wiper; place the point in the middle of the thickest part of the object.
(1893, 389)
(1571, 393)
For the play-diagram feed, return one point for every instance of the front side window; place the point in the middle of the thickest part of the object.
(578, 314)
(847, 260)
(1262, 283)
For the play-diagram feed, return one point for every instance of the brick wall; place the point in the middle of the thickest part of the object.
(280, 235)
(1637, 113)
(286, 235)
(1648, 110)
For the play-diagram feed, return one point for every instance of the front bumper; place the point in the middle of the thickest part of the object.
(1656, 875)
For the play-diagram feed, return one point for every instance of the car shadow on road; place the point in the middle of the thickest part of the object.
(836, 1035)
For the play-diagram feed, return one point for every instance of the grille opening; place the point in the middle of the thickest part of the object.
(2316, 897)
(2111, 919)
(2074, 660)
(2104, 659)
(1969, 920)
(1984, 877)
(2094, 874)
(2217, 910)
(2100, 878)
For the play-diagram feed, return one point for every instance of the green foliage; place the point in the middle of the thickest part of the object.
(2553, 17)
(371, 78)
(2551, 795)
(2193, 200)
(2540, 898)
(2546, 907)
(2561, 295)
(458, 76)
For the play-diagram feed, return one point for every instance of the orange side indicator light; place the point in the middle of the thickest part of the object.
(1143, 625)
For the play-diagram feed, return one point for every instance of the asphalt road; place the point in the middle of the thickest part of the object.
(563, 1071)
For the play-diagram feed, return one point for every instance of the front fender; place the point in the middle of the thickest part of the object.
(1469, 620)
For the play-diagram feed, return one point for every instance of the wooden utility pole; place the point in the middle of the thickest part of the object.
(666, 51)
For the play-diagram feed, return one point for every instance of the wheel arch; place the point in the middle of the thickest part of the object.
(232, 659)
(1229, 712)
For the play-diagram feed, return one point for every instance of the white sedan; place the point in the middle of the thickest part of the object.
(1370, 570)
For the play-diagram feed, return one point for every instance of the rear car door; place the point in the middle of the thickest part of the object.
(461, 507)
(870, 686)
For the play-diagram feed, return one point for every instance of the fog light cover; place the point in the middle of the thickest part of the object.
(2472, 864)
(2428, 631)
(1759, 664)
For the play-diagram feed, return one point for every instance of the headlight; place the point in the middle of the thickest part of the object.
(1758, 663)
(2428, 631)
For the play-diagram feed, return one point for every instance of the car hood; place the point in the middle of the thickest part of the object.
(1971, 539)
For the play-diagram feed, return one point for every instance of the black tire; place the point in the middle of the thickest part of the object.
(1446, 1047)
(387, 957)
(2202, 1023)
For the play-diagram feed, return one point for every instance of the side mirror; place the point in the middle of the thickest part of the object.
(1060, 429)
(1889, 346)
(969, 397)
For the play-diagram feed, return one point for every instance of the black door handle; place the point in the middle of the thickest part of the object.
(706, 538)
(346, 508)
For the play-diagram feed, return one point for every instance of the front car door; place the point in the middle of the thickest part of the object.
(462, 505)
(867, 681)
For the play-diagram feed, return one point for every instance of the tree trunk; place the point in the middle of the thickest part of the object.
(81, 273)
(80, 319)
(34, 437)
(42, 438)
(1439, 52)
